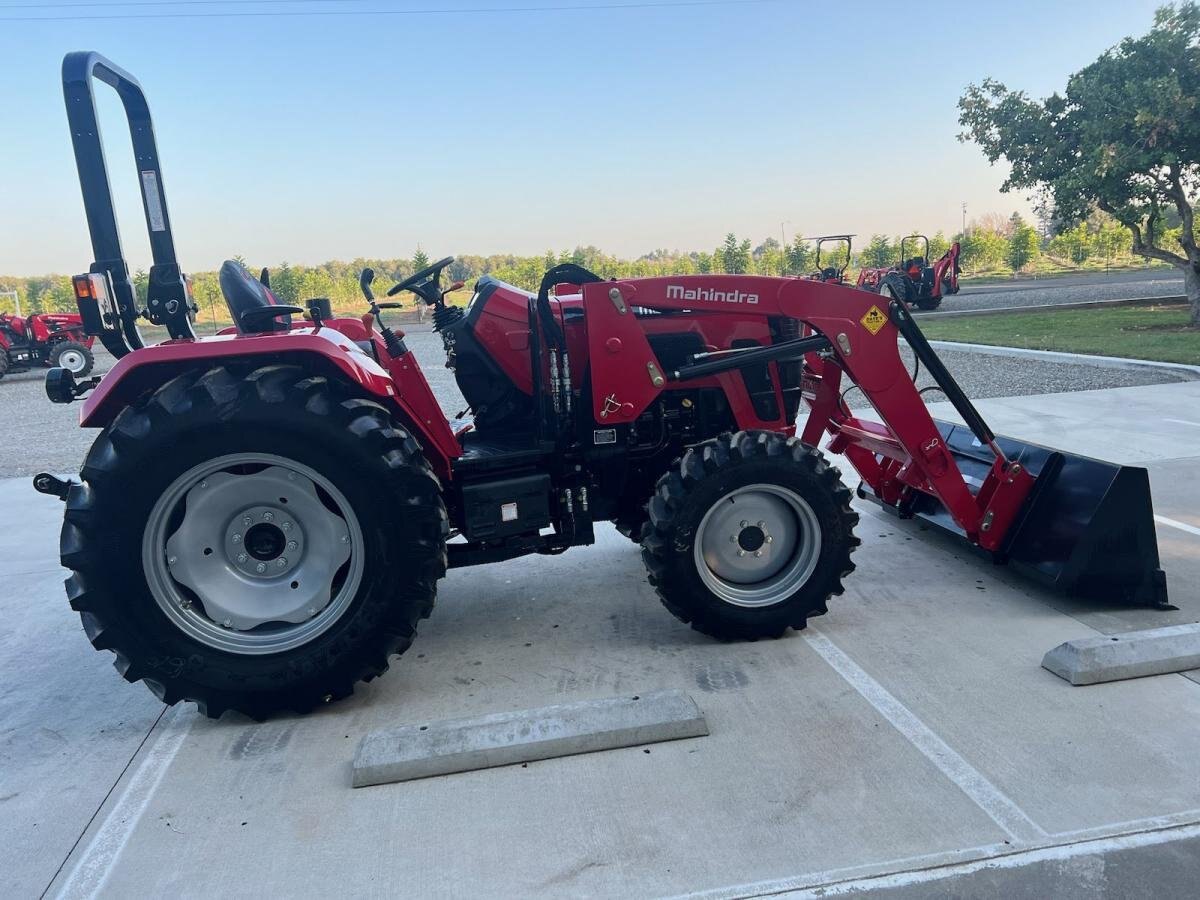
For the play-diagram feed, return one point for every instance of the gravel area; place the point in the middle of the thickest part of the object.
(42, 436)
(984, 375)
(1072, 289)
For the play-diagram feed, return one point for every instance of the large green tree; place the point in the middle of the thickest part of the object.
(1123, 137)
(735, 255)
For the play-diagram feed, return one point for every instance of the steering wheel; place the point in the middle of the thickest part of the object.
(427, 292)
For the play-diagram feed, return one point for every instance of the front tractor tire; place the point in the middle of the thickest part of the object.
(73, 356)
(749, 535)
(257, 542)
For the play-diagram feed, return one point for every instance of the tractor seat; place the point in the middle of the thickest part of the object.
(250, 302)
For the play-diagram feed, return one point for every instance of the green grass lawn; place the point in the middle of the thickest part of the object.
(1142, 332)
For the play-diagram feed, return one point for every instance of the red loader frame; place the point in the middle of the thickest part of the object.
(851, 335)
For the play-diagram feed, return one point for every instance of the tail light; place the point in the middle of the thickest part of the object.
(93, 296)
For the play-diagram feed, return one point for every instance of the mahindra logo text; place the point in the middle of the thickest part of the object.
(679, 292)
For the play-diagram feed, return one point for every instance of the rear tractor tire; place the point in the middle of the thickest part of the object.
(894, 286)
(76, 358)
(257, 542)
(749, 535)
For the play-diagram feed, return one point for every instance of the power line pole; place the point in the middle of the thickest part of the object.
(964, 212)
(783, 249)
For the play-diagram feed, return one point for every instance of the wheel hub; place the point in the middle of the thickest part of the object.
(751, 538)
(260, 548)
(264, 541)
(757, 545)
(71, 360)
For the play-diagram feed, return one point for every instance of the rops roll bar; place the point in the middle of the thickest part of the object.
(168, 299)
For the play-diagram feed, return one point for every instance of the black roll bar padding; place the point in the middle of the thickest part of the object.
(727, 360)
(912, 333)
(169, 300)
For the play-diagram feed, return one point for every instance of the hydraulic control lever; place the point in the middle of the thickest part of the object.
(393, 342)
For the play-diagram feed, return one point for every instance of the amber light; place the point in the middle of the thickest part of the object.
(83, 286)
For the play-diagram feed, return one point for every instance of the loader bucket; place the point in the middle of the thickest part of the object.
(1087, 527)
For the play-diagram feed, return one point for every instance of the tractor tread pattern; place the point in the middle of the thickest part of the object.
(667, 539)
(362, 651)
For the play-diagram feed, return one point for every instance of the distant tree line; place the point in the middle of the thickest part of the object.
(992, 244)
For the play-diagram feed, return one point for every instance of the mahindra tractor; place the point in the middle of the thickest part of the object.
(45, 339)
(265, 515)
(914, 281)
(833, 270)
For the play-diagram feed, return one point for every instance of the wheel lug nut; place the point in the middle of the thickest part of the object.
(292, 545)
(246, 520)
(758, 553)
(286, 526)
(744, 523)
(762, 524)
(261, 567)
(268, 516)
(237, 538)
(741, 553)
(733, 538)
(171, 560)
(345, 538)
(281, 562)
(228, 623)
(768, 539)
(241, 557)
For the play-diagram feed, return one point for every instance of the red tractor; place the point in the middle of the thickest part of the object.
(834, 271)
(913, 281)
(265, 515)
(45, 339)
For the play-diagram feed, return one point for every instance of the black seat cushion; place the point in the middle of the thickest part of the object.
(243, 292)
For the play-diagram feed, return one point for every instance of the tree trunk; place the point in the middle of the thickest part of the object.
(1191, 285)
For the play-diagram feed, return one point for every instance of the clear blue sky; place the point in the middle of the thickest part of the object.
(315, 137)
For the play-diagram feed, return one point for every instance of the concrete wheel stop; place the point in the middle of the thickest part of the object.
(1135, 654)
(426, 749)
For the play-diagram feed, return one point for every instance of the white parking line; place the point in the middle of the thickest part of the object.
(1182, 526)
(999, 807)
(89, 875)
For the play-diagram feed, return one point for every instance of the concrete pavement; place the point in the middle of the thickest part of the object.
(910, 736)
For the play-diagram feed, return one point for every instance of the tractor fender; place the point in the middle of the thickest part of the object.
(147, 368)
(326, 352)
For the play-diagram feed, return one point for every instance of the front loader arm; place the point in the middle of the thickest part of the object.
(897, 456)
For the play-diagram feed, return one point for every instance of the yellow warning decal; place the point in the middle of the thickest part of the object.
(874, 320)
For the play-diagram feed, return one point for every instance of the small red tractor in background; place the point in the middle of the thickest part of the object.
(45, 339)
(265, 515)
(913, 281)
(835, 273)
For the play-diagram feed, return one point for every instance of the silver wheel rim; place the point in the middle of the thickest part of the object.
(885, 290)
(72, 361)
(252, 553)
(757, 545)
